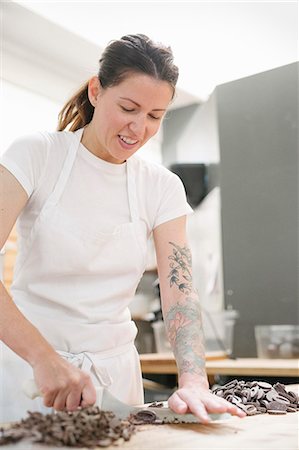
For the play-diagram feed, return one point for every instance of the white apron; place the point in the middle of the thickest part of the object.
(75, 286)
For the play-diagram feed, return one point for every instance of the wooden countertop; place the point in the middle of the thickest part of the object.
(255, 432)
(162, 363)
(258, 432)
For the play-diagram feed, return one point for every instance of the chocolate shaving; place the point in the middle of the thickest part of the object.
(157, 405)
(89, 427)
(143, 416)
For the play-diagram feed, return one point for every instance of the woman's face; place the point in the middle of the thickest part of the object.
(126, 116)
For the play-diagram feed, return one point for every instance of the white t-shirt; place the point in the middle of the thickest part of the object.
(96, 189)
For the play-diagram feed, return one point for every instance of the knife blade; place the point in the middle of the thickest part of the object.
(108, 402)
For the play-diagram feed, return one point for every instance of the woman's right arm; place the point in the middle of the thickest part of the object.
(61, 384)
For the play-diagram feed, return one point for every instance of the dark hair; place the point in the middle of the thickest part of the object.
(134, 53)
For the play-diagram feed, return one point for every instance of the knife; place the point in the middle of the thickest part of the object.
(108, 402)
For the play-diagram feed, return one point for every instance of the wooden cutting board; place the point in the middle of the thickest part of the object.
(256, 432)
(260, 432)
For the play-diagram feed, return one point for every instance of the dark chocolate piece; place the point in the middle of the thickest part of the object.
(257, 397)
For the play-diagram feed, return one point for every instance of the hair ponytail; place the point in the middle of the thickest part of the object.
(77, 112)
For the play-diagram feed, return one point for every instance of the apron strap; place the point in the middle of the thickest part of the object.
(67, 167)
(132, 191)
(54, 196)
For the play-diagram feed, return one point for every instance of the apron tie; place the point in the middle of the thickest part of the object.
(85, 361)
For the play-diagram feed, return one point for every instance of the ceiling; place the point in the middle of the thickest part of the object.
(213, 42)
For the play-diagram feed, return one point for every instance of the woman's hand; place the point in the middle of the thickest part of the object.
(62, 385)
(198, 399)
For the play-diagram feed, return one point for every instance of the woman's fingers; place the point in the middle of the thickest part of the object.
(79, 392)
(73, 399)
(181, 403)
(200, 402)
(177, 404)
(88, 395)
(194, 405)
(233, 409)
(216, 404)
(64, 386)
(49, 398)
(60, 401)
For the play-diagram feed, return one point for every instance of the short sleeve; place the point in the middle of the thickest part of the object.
(26, 159)
(173, 201)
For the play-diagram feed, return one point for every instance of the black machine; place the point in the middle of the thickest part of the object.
(194, 178)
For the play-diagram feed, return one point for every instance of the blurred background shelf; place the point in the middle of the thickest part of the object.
(164, 363)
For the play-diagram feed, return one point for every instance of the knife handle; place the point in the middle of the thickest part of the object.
(30, 389)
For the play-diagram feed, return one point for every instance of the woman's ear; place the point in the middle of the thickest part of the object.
(94, 89)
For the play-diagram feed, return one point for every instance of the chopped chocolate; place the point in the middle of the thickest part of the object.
(89, 427)
(157, 405)
(143, 416)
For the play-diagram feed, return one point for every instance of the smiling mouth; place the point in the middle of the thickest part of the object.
(127, 140)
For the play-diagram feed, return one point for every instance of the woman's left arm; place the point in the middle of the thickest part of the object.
(182, 318)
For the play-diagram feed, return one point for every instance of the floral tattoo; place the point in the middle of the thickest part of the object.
(184, 330)
(183, 319)
(181, 267)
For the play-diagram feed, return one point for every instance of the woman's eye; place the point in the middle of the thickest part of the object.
(132, 110)
(127, 109)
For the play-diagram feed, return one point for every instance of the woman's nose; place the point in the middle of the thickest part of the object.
(138, 126)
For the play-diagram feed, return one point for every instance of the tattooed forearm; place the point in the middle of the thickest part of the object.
(184, 331)
(180, 274)
(183, 319)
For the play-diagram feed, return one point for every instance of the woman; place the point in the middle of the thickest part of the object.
(86, 206)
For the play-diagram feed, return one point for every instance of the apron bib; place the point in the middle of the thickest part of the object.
(75, 286)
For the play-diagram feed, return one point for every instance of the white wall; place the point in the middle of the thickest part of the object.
(23, 112)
